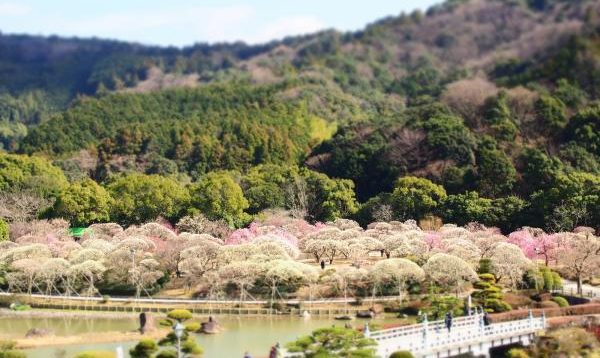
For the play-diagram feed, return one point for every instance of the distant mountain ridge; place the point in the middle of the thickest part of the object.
(456, 33)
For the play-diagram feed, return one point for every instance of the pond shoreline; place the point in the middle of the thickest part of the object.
(88, 338)
(44, 313)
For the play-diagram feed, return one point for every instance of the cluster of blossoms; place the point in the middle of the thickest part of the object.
(284, 252)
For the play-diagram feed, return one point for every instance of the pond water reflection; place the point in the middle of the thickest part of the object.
(246, 333)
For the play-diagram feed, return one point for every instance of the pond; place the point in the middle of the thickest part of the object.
(246, 333)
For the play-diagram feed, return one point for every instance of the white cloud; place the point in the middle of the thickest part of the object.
(287, 26)
(198, 23)
(14, 9)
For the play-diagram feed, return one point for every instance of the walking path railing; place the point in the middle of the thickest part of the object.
(198, 300)
(429, 337)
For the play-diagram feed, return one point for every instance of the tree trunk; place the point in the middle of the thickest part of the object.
(273, 287)
(345, 301)
(579, 285)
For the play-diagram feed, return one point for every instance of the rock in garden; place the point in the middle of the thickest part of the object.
(38, 332)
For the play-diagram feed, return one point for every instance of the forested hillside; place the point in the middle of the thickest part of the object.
(477, 110)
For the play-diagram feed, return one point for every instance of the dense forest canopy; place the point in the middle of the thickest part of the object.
(477, 110)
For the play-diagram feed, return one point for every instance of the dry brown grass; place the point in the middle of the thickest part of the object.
(87, 338)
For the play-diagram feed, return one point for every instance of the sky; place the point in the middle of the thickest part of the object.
(185, 22)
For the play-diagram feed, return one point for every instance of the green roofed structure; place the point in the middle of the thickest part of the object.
(77, 231)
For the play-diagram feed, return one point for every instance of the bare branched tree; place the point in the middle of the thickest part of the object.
(21, 206)
(297, 198)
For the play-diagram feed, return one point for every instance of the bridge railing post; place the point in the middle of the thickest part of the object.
(481, 321)
(543, 320)
(425, 333)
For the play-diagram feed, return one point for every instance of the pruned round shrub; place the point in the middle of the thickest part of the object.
(493, 289)
(497, 305)
(145, 348)
(402, 354)
(481, 285)
(495, 295)
(165, 322)
(192, 327)
(96, 354)
(487, 277)
(167, 353)
(561, 301)
(179, 315)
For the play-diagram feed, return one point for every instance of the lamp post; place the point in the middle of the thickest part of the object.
(178, 328)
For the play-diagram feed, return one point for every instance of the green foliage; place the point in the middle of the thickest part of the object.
(8, 350)
(179, 315)
(140, 198)
(167, 353)
(402, 354)
(4, 233)
(571, 201)
(548, 279)
(556, 280)
(192, 326)
(489, 295)
(362, 158)
(551, 112)
(413, 198)
(533, 279)
(562, 302)
(355, 84)
(486, 276)
(423, 80)
(485, 269)
(218, 196)
(469, 207)
(440, 305)
(579, 158)
(165, 322)
(566, 342)
(584, 129)
(496, 174)
(96, 354)
(496, 305)
(329, 198)
(517, 353)
(450, 138)
(332, 343)
(145, 348)
(377, 208)
(19, 307)
(265, 186)
(481, 285)
(498, 115)
(30, 173)
(83, 203)
(570, 94)
(188, 345)
(215, 127)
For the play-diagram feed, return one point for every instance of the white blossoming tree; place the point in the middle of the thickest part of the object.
(87, 273)
(395, 272)
(508, 263)
(580, 255)
(449, 272)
